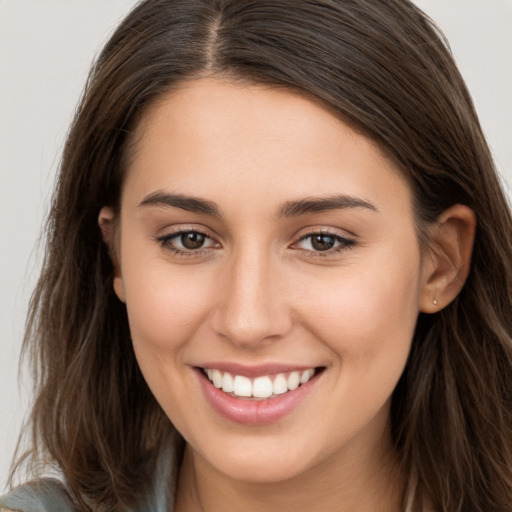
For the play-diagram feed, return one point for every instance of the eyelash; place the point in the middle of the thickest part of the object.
(343, 243)
(166, 242)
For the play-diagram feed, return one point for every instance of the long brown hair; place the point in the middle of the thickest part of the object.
(384, 68)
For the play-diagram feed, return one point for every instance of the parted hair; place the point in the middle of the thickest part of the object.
(384, 68)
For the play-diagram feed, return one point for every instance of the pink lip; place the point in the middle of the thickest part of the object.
(253, 412)
(253, 371)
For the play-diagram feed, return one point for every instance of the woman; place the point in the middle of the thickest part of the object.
(277, 274)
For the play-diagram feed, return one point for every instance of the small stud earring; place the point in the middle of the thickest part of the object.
(434, 301)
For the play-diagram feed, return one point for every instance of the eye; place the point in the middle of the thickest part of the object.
(324, 242)
(191, 240)
(187, 241)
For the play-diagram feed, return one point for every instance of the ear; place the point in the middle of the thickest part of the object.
(446, 266)
(107, 223)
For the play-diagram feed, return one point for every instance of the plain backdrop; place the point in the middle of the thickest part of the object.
(46, 47)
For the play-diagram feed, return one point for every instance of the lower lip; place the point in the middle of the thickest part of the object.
(254, 412)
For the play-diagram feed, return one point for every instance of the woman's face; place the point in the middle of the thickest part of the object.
(262, 241)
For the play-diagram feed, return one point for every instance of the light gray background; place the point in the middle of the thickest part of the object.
(46, 47)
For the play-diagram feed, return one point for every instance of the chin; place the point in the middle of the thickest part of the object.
(264, 470)
(260, 459)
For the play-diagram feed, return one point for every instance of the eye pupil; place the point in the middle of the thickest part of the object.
(192, 240)
(322, 242)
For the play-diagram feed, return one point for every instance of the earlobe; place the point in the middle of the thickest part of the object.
(107, 223)
(446, 266)
(119, 288)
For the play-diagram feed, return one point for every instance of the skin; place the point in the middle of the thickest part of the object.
(258, 292)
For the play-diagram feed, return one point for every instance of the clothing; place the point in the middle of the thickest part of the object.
(50, 495)
(45, 495)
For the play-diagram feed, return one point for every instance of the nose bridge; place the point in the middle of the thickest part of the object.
(252, 309)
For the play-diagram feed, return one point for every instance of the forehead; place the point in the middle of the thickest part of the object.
(222, 139)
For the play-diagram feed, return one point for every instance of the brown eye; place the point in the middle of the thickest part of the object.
(192, 240)
(322, 242)
(329, 243)
(187, 242)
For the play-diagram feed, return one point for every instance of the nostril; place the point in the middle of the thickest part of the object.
(251, 328)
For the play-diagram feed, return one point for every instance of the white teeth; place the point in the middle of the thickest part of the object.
(262, 387)
(280, 385)
(306, 375)
(293, 381)
(227, 383)
(217, 378)
(242, 386)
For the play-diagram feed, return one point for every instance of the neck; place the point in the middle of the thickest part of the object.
(347, 482)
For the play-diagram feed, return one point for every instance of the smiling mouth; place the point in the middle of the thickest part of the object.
(259, 388)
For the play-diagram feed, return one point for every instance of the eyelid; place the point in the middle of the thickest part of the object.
(165, 240)
(344, 242)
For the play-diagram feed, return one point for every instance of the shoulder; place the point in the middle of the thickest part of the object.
(44, 495)
(50, 495)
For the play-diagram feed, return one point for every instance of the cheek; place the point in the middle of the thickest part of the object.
(368, 314)
(166, 303)
(367, 320)
(166, 307)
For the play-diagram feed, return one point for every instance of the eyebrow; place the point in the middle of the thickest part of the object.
(318, 205)
(289, 209)
(190, 204)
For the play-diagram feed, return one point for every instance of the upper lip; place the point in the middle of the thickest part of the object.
(252, 371)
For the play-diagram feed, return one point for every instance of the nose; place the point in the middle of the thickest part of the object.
(252, 308)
